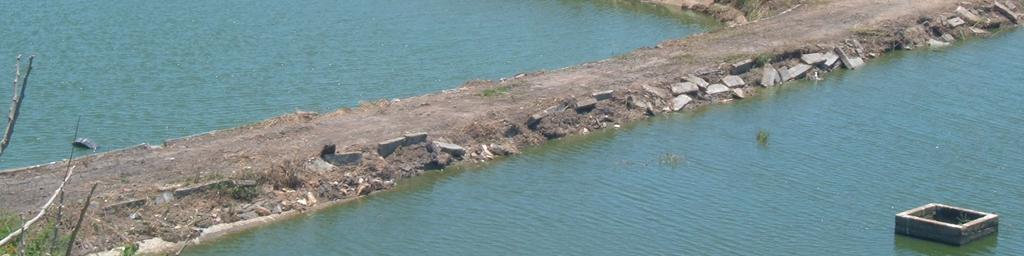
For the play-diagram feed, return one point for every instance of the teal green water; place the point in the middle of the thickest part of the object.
(144, 71)
(844, 156)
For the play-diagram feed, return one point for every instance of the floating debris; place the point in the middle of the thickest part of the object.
(85, 143)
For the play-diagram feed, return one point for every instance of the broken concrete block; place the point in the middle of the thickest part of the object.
(733, 81)
(967, 15)
(385, 148)
(739, 93)
(684, 88)
(680, 101)
(716, 89)
(742, 66)
(796, 72)
(659, 92)
(845, 58)
(769, 76)
(697, 80)
(1006, 11)
(813, 58)
(831, 58)
(955, 22)
(603, 95)
(343, 159)
(856, 63)
(948, 38)
(936, 43)
(978, 31)
(586, 103)
(415, 138)
(451, 149)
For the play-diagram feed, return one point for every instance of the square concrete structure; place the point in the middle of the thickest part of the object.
(946, 224)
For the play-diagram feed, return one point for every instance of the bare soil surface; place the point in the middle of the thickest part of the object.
(282, 155)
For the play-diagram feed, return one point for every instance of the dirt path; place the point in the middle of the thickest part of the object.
(462, 116)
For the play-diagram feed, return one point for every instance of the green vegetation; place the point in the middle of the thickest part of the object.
(751, 8)
(762, 137)
(671, 160)
(244, 193)
(130, 250)
(763, 59)
(36, 243)
(496, 91)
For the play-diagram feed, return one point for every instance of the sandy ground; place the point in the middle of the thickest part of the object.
(463, 116)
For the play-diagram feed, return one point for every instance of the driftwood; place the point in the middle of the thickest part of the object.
(20, 82)
(81, 216)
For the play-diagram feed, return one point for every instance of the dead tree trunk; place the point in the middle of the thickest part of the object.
(20, 82)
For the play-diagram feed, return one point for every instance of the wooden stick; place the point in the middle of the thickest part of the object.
(20, 82)
(21, 239)
(81, 216)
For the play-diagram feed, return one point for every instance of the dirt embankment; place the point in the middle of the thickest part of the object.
(187, 188)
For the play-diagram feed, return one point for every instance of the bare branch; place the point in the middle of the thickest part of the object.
(20, 82)
(81, 216)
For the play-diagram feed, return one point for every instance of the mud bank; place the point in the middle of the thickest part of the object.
(198, 188)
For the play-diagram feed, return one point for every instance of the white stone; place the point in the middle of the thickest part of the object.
(796, 72)
(813, 58)
(733, 81)
(739, 93)
(680, 101)
(769, 76)
(955, 22)
(684, 88)
(717, 88)
(697, 80)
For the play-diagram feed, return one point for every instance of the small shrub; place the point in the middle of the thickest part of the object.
(496, 91)
(762, 137)
(763, 59)
(285, 175)
(671, 160)
(130, 250)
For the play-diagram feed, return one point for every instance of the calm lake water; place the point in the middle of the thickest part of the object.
(844, 156)
(145, 71)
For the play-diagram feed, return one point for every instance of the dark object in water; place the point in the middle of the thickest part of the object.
(85, 143)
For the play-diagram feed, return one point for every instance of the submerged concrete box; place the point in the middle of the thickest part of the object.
(946, 224)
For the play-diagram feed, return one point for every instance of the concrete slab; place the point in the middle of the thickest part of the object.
(679, 102)
(946, 224)
(967, 15)
(955, 22)
(856, 63)
(385, 148)
(684, 88)
(796, 72)
(716, 89)
(451, 149)
(831, 58)
(586, 103)
(770, 76)
(813, 58)
(657, 91)
(415, 138)
(733, 81)
(741, 67)
(603, 95)
(697, 80)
